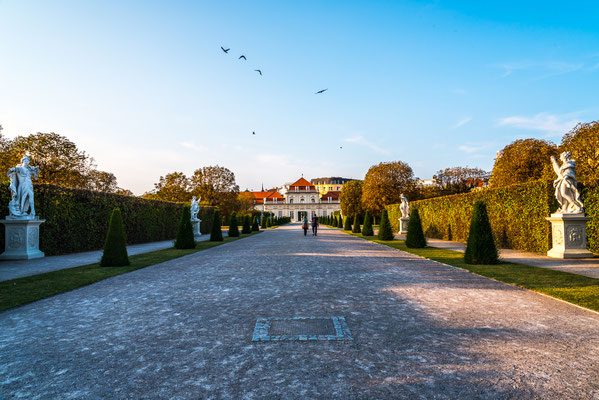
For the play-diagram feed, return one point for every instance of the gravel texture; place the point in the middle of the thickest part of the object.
(183, 330)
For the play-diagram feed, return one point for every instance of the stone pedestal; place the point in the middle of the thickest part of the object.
(22, 238)
(569, 236)
(195, 224)
(403, 225)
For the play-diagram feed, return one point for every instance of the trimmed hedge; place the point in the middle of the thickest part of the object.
(517, 215)
(77, 220)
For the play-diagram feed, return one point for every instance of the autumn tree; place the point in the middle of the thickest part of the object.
(460, 179)
(522, 161)
(245, 202)
(216, 185)
(102, 181)
(351, 198)
(583, 143)
(171, 187)
(384, 183)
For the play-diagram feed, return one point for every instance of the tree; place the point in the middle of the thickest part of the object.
(522, 161)
(384, 183)
(356, 227)
(350, 198)
(115, 246)
(481, 245)
(216, 185)
(583, 143)
(347, 224)
(185, 233)
(367, 229)
(415, 237)
(460, 179)
(217, 234)
(102, 181)
(385, 229)
(245, 203)
(172, 187)
(247, 228)
(233, 225)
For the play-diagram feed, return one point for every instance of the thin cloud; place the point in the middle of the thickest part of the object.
(545, 69)
(193, 146)
(549, 124)
(462, 122)
(361, 140)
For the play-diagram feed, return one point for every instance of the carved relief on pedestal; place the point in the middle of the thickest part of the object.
(16, 238)
(33, 237)
(574, 235)
(558, 237)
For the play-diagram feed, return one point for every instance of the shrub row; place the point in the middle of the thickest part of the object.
(77, 220)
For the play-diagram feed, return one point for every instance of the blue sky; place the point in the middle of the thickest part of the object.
(145, 89)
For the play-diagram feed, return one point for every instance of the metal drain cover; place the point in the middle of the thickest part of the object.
(301, 328)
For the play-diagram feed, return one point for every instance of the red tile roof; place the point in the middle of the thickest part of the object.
(261, 197)
(302, 184)
(333, 194)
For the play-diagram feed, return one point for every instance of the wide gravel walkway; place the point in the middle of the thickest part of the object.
(183, 329)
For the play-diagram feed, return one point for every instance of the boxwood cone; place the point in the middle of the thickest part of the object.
(255, 225)
(263, 222)
(415, 237)
(347, 224)
(233, 227)
(356, 228)
(385, 229)
(341, 222)
(217, 234)
(367, 229)
(184, 238)
(481, 247)
(247, 228)
(115, 246)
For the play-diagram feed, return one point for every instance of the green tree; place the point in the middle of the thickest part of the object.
(356, 227)
(385, 229)
(384, 183)
(367, 229)
(115, 246)
(185, 233)
(171, 187)
(233, 225)
(247, 228)
(415, 237)
(481, 247)
(101, 181)
(350, 198)
(522, 161)
(217, 234)
(216, 185)
(583, 143)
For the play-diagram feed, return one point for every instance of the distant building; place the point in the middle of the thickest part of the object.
(330, 184)
(297, 199)
(427, 183)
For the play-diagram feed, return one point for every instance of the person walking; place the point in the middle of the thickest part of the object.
(315, 226)
(305, 225)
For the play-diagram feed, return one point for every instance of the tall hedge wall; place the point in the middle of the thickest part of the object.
(517, 214)
(77, 220)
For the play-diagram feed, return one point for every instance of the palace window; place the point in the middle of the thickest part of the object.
(290, 201)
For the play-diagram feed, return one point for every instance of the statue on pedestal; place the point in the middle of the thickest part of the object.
(195, 208)
(404, 207)
(21, 188)
(565, 184)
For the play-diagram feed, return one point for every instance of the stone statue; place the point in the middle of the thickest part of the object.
(566, 191)
(404, 207)
(21, 188)
(195, 208)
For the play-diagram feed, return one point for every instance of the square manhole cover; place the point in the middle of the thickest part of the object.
(301, 328)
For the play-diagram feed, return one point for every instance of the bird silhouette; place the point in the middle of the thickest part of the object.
(321, 91)
(260, 72)
(253, 133)
(225, 50)
(340, 147)
(242, 56)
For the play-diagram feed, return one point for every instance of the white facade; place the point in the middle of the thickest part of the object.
(300, 202)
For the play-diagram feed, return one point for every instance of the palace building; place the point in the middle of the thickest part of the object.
(330, 184)
(296, 200)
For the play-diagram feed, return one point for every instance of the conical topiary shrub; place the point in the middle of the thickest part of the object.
(415, 237)
(115, 246)
(341, 222)
(255, 225)
(184, 238)
(356, 227)
(385, 229)
(247, 227)
(217, 234)
(347, 224)
(481, 247)
(263, 222)
(233, 227)
(267, 223)
(367, 229)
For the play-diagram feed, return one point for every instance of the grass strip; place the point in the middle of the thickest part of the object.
(16, 292)
(576, 289)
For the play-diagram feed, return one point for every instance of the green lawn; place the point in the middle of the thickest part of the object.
(576, 289)
(20, 291)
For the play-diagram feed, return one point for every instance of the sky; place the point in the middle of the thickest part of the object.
(145, 89)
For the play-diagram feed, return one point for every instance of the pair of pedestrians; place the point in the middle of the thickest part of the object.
(314, 224)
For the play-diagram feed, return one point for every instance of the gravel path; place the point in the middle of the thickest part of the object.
(183, 329)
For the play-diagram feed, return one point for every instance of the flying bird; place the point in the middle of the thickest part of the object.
(260, 72)
(253, 133)
(340, 147)
(321, 91)
(225, 50)
(242, 56)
